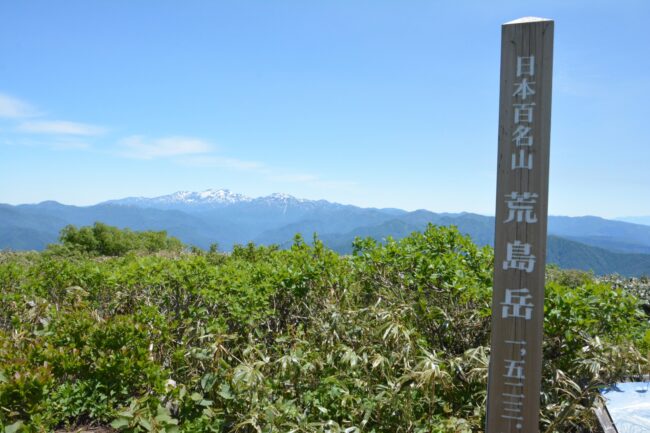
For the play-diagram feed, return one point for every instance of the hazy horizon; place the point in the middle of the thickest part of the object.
(619, 218)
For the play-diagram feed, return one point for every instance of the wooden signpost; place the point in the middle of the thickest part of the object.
(521, 217)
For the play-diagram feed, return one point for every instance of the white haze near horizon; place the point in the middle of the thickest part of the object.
(642, 220)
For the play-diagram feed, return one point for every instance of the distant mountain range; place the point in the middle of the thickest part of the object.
(220, 216)
(636, 220)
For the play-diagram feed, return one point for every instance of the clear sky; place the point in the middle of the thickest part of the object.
(372, 103)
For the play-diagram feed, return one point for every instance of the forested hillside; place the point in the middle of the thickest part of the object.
(393, 338)
(223, 218)
(574, 255)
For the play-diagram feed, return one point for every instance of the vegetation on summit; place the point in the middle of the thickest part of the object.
(105, 240)
(121, 328)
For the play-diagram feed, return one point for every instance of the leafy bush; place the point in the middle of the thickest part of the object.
(394, 338)
(105, 240)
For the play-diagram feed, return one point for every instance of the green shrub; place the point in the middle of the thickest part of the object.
(394, 338)
(105, 240)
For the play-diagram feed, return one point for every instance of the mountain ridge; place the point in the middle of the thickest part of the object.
(209, 198)
(227, 218)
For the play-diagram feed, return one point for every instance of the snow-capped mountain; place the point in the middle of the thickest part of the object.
(208, 199)
(227, 218)
(216, 199)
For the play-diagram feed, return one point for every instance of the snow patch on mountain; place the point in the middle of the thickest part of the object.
(210, 198)
(207, 197)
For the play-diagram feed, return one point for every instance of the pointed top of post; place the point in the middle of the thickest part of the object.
(525, 20)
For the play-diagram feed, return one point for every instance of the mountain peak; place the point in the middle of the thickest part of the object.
(207, 198)
(215, 198)
(214, 193)
(282, 197)
(50, 203)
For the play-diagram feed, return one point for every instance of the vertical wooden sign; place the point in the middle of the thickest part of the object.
(521, 217)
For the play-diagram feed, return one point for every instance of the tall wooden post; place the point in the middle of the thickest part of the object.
(521, 217)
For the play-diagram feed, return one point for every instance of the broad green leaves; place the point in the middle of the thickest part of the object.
(391, 339)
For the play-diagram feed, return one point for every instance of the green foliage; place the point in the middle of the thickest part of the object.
(593, 337)
(393, 338)
(105, 240)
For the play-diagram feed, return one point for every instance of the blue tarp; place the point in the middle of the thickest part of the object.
(629, 406)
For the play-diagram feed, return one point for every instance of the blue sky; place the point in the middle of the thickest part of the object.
(373, 103)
